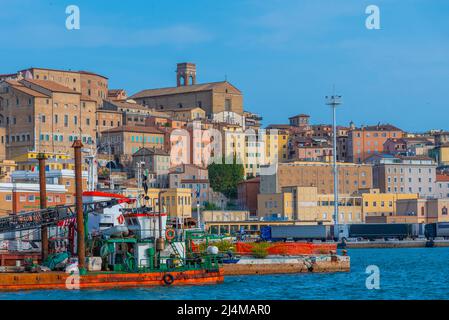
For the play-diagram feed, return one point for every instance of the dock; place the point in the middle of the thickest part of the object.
(291, 264)
(418, 243)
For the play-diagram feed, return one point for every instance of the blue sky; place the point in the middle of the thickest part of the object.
(284, 55)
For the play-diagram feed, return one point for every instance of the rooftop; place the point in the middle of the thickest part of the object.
(181, 89)
(49, 85)
(138, 129)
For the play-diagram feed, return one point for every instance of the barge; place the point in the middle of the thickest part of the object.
(118, 244)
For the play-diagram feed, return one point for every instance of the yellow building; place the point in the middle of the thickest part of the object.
(53, 161)
(306, 204)
(382, 204)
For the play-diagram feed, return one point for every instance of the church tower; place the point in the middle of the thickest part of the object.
(185, 74)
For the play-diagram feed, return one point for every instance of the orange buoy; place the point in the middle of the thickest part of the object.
(169, 234)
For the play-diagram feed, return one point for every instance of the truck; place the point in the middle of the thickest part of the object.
(437, 229)
(372, 231)
(293, 232)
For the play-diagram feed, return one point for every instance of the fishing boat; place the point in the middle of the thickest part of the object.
(128, 247)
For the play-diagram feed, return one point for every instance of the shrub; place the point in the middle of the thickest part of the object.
(260, 250)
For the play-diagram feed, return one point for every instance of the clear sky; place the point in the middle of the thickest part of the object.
(285, 55)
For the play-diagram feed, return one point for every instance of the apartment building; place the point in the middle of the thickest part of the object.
(87, 83)
(307, 204)
(44, 116)
(309, 149)
(213, 97)
(156, 164)
(192, 177)
(107, 119)
(351, 177)
(422, 211)
(124, 141)
(404, 174)
(365, 141)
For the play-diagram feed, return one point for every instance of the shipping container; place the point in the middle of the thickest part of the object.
(278, 233)
(384, 230)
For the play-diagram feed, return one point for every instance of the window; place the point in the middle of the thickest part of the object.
(42, 118)
(228, 105)
(66, 120)
(31, 198)
(56, 118)
(75, 120)
(8, 197)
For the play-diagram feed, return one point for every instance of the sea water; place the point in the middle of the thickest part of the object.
(409, 273)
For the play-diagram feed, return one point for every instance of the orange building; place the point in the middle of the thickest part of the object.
(365, 141)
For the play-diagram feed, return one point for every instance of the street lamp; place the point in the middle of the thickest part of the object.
(333, 101)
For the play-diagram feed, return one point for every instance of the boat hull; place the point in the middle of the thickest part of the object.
(103, 280)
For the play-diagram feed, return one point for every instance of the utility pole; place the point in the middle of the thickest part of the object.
(43, 203)
(333, 101)
(77, 145)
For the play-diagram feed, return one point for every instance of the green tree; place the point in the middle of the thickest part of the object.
(225, 177)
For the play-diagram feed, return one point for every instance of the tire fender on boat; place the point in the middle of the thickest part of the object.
(168, 279)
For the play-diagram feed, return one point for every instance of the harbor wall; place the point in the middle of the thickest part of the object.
(252, 266)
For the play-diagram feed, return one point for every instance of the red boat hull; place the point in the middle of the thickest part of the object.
(103, 280)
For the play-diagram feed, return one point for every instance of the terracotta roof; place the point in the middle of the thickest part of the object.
(86, 98)
(194, 181)
(18, 86)
(49, 85)
(302, 115)
(176, 90)
(61, 70)
(279, 126)
(380, 127)
(92, 74)
(109, 111)
(150, 151)
(185, 109)
(139, 129)
(442, 178)
(418, 157)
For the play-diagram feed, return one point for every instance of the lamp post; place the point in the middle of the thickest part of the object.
(333, 101)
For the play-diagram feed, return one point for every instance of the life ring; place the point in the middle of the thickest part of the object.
(169, 234)
(168, 279)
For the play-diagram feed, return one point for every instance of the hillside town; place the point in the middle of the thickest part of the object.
(217, 166)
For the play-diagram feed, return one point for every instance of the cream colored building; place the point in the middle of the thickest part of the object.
(124, 141)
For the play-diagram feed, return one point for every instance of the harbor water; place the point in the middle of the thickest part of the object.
(408, 273)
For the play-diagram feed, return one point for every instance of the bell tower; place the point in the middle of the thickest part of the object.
(185, 74)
